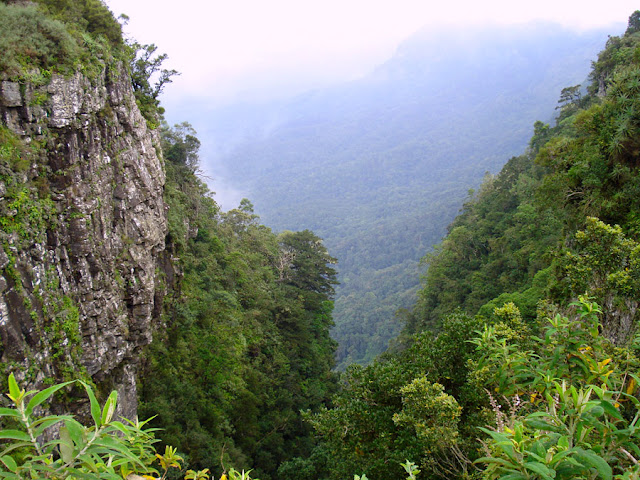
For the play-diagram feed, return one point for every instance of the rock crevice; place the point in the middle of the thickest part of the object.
(80, 286)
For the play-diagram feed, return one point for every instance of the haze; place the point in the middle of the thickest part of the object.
(254, 49)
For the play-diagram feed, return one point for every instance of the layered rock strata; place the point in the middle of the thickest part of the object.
(83, 231)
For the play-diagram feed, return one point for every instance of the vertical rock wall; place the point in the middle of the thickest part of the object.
(81, 281)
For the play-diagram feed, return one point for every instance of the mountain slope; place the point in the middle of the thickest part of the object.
(380, 166)
(529, 307)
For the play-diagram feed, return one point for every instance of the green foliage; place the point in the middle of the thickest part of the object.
(91, 16)
(308, 263)
(505, 246)
(48, 36)
(13, 154)
(563, 403)
(379, 167)
(246, 345)
(604, 262)
(27, 212)
(403, 406)
(569, 96)
(235, 475)
(60, 447)
(61, 334)
(557, 384)
(633, 25)
(495, 246)
(573, 410)
(65, 36)
(432, 413)
(146, 67)
(199, 475)
(32, 39)
(180, 145)
(107, 449)
(411, 469)
(618, 51)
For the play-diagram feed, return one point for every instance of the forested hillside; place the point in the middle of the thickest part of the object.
(379, 167)
(122, 277)
(520, 359)
(502, 242)
(244, 346)
(120, 272)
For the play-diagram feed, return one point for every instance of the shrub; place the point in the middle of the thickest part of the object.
(106, 449)
(31, 39)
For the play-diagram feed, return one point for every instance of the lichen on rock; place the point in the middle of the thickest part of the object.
(83, 229)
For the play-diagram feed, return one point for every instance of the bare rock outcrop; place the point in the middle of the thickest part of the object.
(81, 195)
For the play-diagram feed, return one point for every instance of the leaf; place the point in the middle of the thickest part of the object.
(538, 414)
(109, 442)
(540, 469)
(66, 445)
(634, 448)
(515, 476)
(501, 461)
(559, 456)
(44, 395)
(49, 418)
(114, 446)
(501, 441)
(563, 441)
(570, 469)
(95, 406)
(14, 390)
(109, 407)
(633, 399)
(45, 423)
(76, 432)
(121, 427)
(9, 412)
(15, 435)
(10, 475)
(537, 455)
(88, 461)
(542, 425)
(15, 446)
(596, 411)
(610, 409)
(497, 436)
(590, 458)
(9, 462)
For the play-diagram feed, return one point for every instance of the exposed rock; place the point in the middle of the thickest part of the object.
(96, 168)
(10, 92)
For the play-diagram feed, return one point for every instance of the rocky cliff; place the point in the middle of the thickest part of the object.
(82, 226)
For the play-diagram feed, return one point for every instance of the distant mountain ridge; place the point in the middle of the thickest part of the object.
(380, 166)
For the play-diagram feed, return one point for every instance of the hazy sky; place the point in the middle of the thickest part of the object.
(230, 49)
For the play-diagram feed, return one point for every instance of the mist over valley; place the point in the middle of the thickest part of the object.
(379, 166)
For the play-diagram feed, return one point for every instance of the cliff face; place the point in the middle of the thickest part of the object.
(83, 225)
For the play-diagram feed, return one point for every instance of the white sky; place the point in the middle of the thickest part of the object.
(228, 49)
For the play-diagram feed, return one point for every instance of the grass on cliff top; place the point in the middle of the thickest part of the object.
(58, 36)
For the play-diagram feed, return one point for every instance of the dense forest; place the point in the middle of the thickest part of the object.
(241, 346)
(379, 167)
(245, 345)
(519, 360)
(520, 357)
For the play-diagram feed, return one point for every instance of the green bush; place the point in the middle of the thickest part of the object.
(91, 16)
(573, 412)
(30, 40)
(108, 449)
